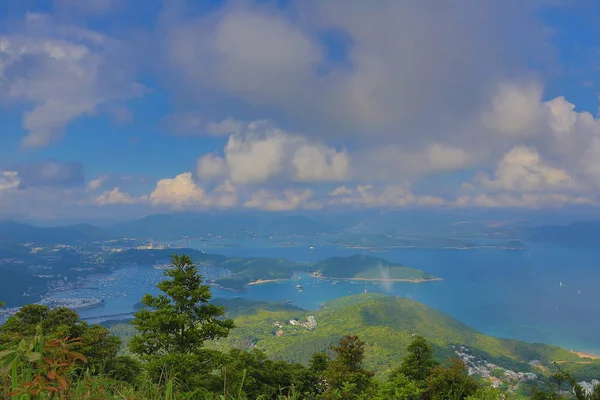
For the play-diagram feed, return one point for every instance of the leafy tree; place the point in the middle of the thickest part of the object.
(264, 378)
(319, 362)
(96, 344)
(400, 387)
(345, 372)
(450, 382)
(418, 362)
(181, 319)
(490, 393)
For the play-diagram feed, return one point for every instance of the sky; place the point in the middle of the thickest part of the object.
(122, 108)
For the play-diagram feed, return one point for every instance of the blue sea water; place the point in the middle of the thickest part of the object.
(503, 293)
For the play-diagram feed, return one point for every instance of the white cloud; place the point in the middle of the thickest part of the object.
(9, 180)
(314, 163)
(261, 153)
(289, 199)
(211, 167)
(388, 196)
(183, 192)
(340, 190)
(178, 192)
(523, 170)
(516, 108)
(63, 73)
(97, 183)
(115, 196)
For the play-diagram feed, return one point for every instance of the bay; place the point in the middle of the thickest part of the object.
(503, 293)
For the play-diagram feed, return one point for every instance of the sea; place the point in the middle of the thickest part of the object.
(546, 293)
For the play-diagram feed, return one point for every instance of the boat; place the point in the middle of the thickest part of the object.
(298, 286)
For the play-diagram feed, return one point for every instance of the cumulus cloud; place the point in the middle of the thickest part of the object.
(183, 192)
(116, 196)
(523, 170)
(515, 109)
(62, 73)
(262, 152)
(289, 199)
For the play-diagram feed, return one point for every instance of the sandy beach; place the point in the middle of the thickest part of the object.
(259, 281)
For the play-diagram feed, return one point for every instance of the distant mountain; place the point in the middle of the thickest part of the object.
(17, 232)
(166, 227)
(583, 232)
(177, 226)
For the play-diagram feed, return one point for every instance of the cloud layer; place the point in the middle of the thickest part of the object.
(314, 104)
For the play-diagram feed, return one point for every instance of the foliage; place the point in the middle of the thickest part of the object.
(97, 345)
(450, 382)
(418, 362)
(345, 372)
(181, 319)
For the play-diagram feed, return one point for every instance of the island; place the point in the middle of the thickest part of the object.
(368, 268)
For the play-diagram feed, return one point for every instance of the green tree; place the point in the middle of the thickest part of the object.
(319, 362)
(450, 382)
(400, 387)
(345, 376)
(180, 320)
(98, 346)
(418, 362)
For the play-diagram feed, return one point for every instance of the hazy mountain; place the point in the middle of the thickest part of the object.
(584, 232)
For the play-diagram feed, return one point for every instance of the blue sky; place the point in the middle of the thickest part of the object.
(123, 108)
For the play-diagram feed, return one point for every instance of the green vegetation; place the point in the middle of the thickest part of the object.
(387, 324)
(404, 351)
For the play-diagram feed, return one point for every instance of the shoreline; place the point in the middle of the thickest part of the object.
(419, 280)
(260, 281)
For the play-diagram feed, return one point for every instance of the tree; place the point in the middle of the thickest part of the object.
(399, 387)
(418, 362)
(345, 372)
(97, 345)
(181, 319)
(450, 382)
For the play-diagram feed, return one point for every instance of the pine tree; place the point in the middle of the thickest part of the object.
(345, 372)
(179, 320)
(418, 362)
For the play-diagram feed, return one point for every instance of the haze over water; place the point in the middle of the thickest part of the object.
(510, 294)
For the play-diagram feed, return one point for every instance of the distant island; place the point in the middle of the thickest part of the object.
(367, 268)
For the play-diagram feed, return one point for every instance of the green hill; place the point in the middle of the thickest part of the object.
(365, 267)
(386, 324)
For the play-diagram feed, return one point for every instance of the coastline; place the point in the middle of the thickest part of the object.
(419, 280)
(260, 281)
